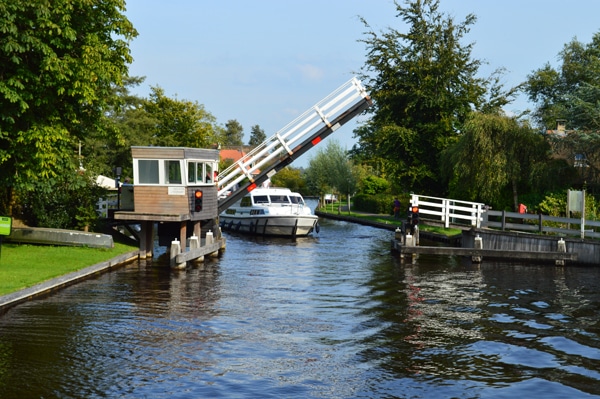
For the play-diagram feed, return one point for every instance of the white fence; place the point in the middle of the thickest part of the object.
(449, 210)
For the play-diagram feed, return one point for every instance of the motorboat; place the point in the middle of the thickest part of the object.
(270, 211)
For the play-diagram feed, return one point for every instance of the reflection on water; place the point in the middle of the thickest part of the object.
(329, 316)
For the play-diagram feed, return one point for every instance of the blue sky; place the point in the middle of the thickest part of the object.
(264, 62)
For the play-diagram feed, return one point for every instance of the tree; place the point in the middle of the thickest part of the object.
(132, 126)
(291, 178)
(571, 92)
(233, 134)
(424, 85)
(494, 152)
(257, 136)
(59, 62)
(180, 123)
(331, 170)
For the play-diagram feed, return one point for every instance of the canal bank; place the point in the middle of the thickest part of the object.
(50, 286)
(494, 244)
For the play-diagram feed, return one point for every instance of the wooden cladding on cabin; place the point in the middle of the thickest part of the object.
(175, 200)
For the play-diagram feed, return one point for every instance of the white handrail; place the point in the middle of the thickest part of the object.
(295, 133)
(448, 209)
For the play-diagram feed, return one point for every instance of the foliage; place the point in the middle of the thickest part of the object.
(570, 92)
(291, 178)
(494, 152)
(60, 61)
(131, 126)
(581, 151)
(424, 85)
(257, 136)
(330, 170)
(555, 204)
(179, 123)
(374, 185)
(63, 202)
(233, 134)
(382, 204)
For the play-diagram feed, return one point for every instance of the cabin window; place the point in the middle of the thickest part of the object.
(261, 199)
(245, 201)
(195, 172)
(279, 199)
(191, 172)
(296, 199)
(210, 177)
(172, 172)
(148, 171)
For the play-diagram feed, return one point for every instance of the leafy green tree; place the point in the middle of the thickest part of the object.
(233, 134)
(291, 178)
(60, 61)
(331, 170)
(570, 92)
(179, 123)
(132, 126)
(373, 185)
(494, 152)
(257, 136)
(424, 84)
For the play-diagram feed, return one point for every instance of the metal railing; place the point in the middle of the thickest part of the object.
(539, 223)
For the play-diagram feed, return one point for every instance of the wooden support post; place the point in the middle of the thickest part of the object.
(146, 239)
(197, 230)
(183, 234)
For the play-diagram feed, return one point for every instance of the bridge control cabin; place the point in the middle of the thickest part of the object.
(174, 187)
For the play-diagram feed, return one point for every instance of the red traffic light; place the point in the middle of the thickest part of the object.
(197, 201)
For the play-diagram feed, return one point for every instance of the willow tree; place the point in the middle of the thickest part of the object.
(59, 62)
(332, 170)
(424, 84)
(495, 153)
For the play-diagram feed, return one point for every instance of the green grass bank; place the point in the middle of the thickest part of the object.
(23, 266)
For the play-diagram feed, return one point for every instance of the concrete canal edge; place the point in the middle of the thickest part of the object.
(47, 287)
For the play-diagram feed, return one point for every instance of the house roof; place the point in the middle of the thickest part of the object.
(234, 155)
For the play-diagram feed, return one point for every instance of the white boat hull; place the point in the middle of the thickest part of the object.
(272, 225)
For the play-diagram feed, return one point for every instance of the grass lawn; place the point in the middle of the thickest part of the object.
(389, 219)
(23, 266)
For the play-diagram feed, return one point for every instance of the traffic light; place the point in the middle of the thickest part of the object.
(197, 200)
(415, 214)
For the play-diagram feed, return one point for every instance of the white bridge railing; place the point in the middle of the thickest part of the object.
(449, 210)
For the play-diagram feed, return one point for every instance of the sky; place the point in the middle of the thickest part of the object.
(265, 62)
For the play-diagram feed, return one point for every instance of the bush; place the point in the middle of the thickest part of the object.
(382, 204)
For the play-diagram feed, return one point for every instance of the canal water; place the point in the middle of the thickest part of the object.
(329, 316)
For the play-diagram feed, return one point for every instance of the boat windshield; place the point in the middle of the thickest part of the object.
(296, 199)
(279, 199)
